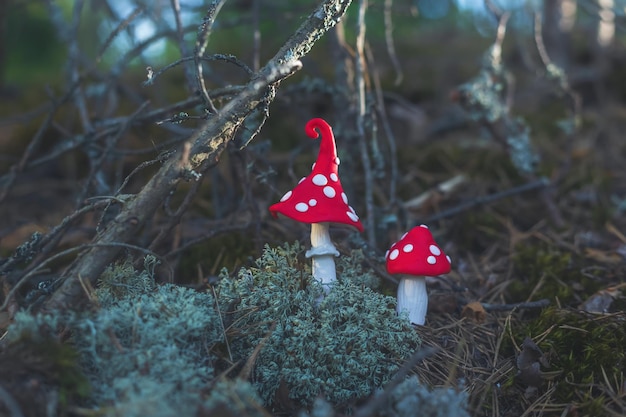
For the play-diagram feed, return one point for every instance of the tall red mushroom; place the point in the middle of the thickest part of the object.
(415, 256)
(319, 199)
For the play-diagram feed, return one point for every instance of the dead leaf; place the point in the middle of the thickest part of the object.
(529, 362)
(474, 311)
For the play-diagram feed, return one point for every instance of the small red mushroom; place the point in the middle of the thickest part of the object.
(415, 256)
(319, 199)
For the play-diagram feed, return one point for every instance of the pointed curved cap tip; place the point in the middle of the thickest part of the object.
(319, 197)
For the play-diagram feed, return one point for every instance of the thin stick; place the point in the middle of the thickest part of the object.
(391, 139)
(391, 49)
(201, 43)
(523, 305)
(246, 371)
(256, 37)
(219, 314)
(66, 252)
(359, 74)
(50, 239)
(533, 185)
(180, 37)
(215, 57)
(123, 25)
(98, 163)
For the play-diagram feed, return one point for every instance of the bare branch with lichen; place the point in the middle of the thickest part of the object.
(207, 144)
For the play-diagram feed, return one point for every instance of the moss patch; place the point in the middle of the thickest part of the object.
(586, 356)
(542, 271)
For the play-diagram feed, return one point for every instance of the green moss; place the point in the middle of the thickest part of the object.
(145, 349)
(477, 230)
(581, 349)
(36, 53)
(37, 349)
(546, 272)
(591, 405)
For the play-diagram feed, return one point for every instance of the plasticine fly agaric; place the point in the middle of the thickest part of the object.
(319, 199)
(416, 255)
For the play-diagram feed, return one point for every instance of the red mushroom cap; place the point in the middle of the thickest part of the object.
(417, 253)
(319, 197)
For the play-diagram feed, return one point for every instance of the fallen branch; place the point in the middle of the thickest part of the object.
(206, 146)
(478, 201)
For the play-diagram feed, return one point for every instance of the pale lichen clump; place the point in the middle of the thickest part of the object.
(409, 398)
(162, 350)
(342, 348)
(232, 397)
(144, 349)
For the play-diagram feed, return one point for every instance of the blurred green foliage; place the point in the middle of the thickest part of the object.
(34, 51)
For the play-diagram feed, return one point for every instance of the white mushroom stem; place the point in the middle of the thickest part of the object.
(323, 252)
(413, 298)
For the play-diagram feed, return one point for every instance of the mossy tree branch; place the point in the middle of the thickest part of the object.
(204, 149)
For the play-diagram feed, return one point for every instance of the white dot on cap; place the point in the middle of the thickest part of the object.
(344, 197)
(431, 260)
(407, 248)
(301, 179)
(329, 191)
(337, 160)
(352, 216)
(448, 258)
(434, 250)
(320, 179)
(394, 254)
(286, 196)
(334, 177)
(302, 207)
(313, 166)
(424, 226)
(312, 202)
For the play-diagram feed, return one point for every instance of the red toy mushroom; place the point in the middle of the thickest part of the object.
(319, 199)
(416, 255)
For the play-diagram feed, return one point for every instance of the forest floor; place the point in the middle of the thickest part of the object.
(530, 322)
